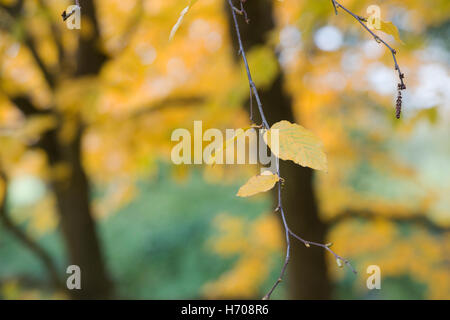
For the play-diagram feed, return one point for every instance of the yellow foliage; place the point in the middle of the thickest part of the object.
(264, 65)
(242, 281)
(180, 19)
(419, 255)
(44, 218)
(35, 126)
(254, 242)
(127, 130)
(10, 290)
(118, 195)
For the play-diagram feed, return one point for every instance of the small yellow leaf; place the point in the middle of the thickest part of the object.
(390, 28)
(297, 144)
(180, 19)
(257, 184)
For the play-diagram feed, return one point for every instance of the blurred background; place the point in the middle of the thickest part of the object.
(86, 177)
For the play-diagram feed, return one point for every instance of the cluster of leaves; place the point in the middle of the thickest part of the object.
(294, 143)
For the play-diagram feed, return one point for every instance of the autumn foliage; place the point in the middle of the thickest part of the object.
(86, 118)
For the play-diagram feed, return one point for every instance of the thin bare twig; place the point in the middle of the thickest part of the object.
(334, 6)
(247, 68)
(66, 15)
(401, 86)
(265, 125)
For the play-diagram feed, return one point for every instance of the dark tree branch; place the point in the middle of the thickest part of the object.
(45, 72)
(13, 14)
(15, 9)
(415, 219)
(55, 32)
(27, 241)
(90, 58)
(27, 281)
(24, 104)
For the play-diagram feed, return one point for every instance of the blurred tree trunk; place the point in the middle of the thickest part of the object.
(307, 276)
(72, 196)
(72, 191)
(77, 223)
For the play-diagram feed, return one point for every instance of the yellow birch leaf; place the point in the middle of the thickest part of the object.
(180, 19)
(297, 144)
(390, 28)
(257, 184)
